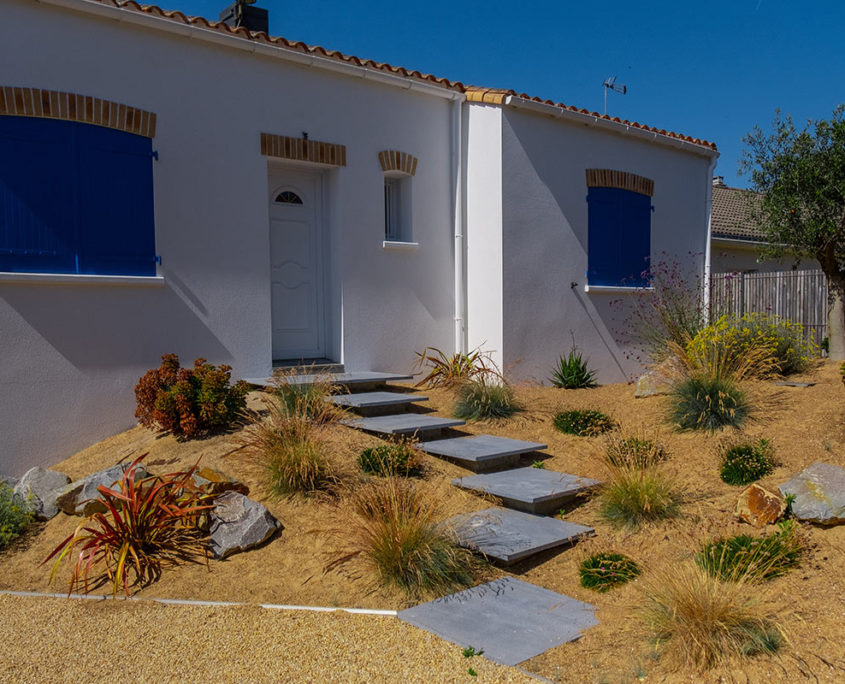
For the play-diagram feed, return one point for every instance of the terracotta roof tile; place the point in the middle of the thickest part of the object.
(473, 93)
(732, 208)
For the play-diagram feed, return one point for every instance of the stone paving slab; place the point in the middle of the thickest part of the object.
(403, 424)
(509, 536)
(349, 378)
(790, 383)
(375, 399)
(481, 452)
(534, 490)
(509, 619)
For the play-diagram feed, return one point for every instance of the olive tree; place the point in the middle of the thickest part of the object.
(801, 176)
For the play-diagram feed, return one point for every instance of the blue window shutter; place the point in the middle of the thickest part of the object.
(116, 203)
(38, 210)
(619, 237)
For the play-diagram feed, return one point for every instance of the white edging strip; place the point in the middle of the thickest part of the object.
(214, 604)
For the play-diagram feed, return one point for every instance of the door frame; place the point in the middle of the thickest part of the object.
(318, 175)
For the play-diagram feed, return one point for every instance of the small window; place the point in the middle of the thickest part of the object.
(397, 209)
(619, 237)
(288, 197)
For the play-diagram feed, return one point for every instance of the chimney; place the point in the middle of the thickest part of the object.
(244, 13)
(719, 182)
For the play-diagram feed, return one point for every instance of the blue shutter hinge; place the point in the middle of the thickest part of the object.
(154, 154)
(158, 259)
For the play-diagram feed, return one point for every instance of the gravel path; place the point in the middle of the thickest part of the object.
(67, 640)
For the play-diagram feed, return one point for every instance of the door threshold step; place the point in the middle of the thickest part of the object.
(308, 366)
(482, 452)
(533, 490)
(357, 379)
(403, 424)
(509, 536)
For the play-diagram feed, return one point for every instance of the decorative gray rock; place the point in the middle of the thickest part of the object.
(40, 488)
(656, 381)
(819, 492)
(238, 524)
(82, 498)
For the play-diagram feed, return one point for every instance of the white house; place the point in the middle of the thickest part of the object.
(170, 184)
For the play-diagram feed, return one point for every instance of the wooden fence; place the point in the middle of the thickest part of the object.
(800, 296)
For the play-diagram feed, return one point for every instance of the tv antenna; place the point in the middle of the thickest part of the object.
(610, 84)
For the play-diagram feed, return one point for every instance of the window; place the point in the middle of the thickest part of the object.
(392, 209)
(75, 198)
(619, 237)
(288, 197)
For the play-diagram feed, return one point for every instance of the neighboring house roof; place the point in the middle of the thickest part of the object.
(473, 93)
(732, 213)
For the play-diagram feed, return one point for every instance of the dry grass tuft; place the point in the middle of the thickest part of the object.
(635, 450)
(702, 622)
(307, 400)
(392, 526)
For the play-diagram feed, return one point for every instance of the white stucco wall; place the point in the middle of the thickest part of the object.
(485, 324)
(72, 354)
(544, 213)
(729, 256)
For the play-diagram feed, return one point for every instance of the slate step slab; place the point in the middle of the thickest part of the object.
(418, 424)
(376, 403)
(534, 490)
(481, 452)
(509, 536)
(509, 619)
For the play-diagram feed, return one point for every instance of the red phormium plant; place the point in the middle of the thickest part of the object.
(150, 523)
(189, 401)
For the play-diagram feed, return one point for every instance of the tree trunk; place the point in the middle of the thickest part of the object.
(836, 315)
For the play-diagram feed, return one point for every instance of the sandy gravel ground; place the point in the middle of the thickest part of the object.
(60, 640)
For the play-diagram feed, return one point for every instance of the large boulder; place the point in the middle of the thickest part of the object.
(819, 492)
(238, 524)
(40, 488)
(658, 380)
(82, 497)
(759, 507)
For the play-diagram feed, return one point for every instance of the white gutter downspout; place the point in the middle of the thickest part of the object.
(707, 248)
(457, 184)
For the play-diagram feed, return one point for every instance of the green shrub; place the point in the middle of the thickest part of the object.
(15, 515)
(189, 401)
(390, 459)
(631, 497)
(603, 571)
(480, 400)
(783, 340)
(756, 558)
(582, 422)
(743, 464)
(572, 372)
(708, 402)
(634, 451)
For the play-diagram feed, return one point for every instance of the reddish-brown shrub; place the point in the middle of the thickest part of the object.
(189, 401)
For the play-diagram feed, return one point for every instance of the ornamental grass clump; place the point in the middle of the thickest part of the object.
(189, 402)
(572, 372)
(632, 496)
(634, 451)
(702, 622)
(582, 422)
(391, 459)
(290, 449)
(480, 399)
(449, 371)
(149, 524)
(782, 342)
(706, 402)
(753, 558)
(603, 571)
(311, 400)
(743, 464)
(15, 515)
(392, 526)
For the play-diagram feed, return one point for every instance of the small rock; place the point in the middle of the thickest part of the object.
(819, 492)
(213, 481)
(82, 498)
(658, 380)
(238, 524)
(759, 507)
(40, 488)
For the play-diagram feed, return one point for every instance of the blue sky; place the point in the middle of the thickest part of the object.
(711, 70)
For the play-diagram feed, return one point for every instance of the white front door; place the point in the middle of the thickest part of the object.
(296, 266)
